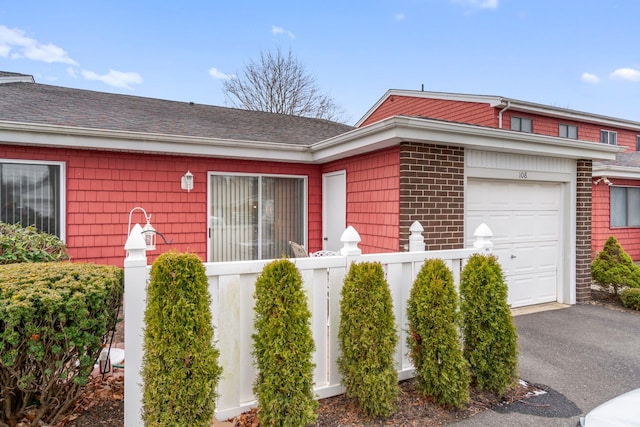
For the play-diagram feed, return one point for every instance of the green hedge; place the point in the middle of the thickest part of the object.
(283, 348)
(490, 338)
(54, 320)
(26, 244)
(180, 367)
(433, 340)
(613, 269)
(367, 336)
(631, 298)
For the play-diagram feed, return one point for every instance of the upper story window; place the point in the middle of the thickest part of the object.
(255, 216)
(609, 137)
(625, 206)
(521, 125)
(31, 194)
(638, 143)
(568, 131)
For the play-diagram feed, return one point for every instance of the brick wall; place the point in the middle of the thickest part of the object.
(583, 232)
(372, 198)
(102, 188)
(432, 192)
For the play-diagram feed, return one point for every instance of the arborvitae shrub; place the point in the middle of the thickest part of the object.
(180, 367)
(631, 298)
(367, 336)
(490, 339)
(613, 269)
(434, 341)
(54, 320)
(26, 244)
(283, 348)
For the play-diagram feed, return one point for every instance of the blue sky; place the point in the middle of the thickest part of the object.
(577, 54)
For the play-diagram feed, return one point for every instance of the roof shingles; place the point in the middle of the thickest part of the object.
(55, 105)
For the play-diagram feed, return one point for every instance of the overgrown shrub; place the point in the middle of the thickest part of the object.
(180, 368)
(613, 269)
(283, 347)
(54, 320)
(367, 336)
(631, 298)
(490, 339)
(26, 244)
(434, 342)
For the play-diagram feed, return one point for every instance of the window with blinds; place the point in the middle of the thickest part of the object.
(255, 217)
(30, 194)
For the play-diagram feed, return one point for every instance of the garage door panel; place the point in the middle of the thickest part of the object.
(525, 220)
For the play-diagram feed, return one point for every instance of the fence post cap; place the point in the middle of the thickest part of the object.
(416, 227)
(483, 230)
(135, 245)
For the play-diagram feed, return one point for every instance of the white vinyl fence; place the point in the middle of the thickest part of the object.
(231, 285)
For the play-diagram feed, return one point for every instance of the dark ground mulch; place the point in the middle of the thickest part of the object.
(102, 404)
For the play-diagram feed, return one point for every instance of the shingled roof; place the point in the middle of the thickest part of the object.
(35, 103)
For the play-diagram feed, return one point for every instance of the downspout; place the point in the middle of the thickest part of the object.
(500, 114)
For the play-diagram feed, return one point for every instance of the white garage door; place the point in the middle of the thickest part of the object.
(525, 220)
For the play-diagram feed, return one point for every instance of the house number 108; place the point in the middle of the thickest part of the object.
(522, 174)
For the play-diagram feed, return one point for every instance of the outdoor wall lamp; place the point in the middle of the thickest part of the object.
(148, 232)
(187, 181)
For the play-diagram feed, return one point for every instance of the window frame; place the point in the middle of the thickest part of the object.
(305, 201)
(637, 142)
(62, 196)
(628, 209)
(519, 121)
(567, 127)
(609, 134)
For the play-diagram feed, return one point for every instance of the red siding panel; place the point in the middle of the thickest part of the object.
(102, 187)
(373, 198)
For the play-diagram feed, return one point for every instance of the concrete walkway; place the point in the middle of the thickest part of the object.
(582, 355)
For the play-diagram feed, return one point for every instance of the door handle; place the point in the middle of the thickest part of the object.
(325, 238)
(513, 256)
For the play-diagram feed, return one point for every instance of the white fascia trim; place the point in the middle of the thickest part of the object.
(17, 79)
(611, 171)
(394, 130)
(98, 139)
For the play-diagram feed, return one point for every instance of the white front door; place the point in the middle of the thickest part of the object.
(525, 218)
(334, 209)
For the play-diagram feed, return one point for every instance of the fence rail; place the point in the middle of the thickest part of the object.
(232, 284)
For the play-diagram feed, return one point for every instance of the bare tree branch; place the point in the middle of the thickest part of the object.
(279, 83)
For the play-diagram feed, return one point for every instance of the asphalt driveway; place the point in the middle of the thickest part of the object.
(583, 356)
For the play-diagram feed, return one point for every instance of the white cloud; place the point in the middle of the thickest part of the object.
(400, 17)
(15, 44)
(72, 72)
(217, 74)
(276, 31)
(114, 78)
(590, 78)
(480, 4)
(628, 74)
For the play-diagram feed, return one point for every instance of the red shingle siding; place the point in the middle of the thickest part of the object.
(373, 198)
(432, 192)
(628, 237)
(457, 111)
(583, 231)
(102, 187)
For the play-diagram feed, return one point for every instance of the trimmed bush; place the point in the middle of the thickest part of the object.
(490, 339)
(54, 320)
(434, 342)
(26, 244)
(367, 336)
(180, 368)
(631, 298)
(613, 269)
(283, 348)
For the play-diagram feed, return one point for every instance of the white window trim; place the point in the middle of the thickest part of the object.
(305, 201)
(63, 187)
(609, 133)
